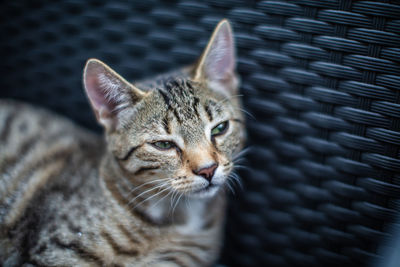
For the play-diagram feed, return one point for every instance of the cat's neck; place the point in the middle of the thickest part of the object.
(151, 205)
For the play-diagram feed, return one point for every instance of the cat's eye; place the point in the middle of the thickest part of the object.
(220, 129)
(164, 145)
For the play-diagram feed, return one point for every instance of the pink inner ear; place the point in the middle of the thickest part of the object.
(220, 62)
(97, 95)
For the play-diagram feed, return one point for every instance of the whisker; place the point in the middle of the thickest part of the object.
(152, 196)
(237, 166)
(150, 182)
(158, 201)
(176, 204)
(242, 153)
(187, 203)
(230, 187)
(151, 189)
(228, 98)
(247, 113)
(239, 160)
(236, 178)
(173, 197)
(219, 103)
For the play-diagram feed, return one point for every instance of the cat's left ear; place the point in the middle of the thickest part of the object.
(217, 65)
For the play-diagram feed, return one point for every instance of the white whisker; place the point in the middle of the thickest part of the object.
(229, 186)
(152, 196)
(176, 204)
(239, 160)
(187, 203)
(151, 189)
(246, 112)
(242, 153)
(158, 201)
(219, 103)
(236, 178)
(237, 166)
(173, 197)
(227, 98)
(150, 182)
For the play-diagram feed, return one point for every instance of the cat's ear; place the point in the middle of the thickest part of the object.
(108, 92)
(217, 64)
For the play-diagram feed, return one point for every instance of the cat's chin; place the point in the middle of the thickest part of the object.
(206, 192)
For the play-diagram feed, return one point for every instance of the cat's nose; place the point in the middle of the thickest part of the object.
(207, 172)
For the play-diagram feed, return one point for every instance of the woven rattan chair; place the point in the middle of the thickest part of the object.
(322, 79)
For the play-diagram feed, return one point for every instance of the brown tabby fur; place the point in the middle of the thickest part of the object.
(69, 198)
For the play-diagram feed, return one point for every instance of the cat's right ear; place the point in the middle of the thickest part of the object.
(108, 92)
(217, 64)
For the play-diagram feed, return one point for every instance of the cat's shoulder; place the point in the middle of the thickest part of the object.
(12, 109)
(24, 126)
(27, 117)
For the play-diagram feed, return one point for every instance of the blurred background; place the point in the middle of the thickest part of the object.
(321, 78)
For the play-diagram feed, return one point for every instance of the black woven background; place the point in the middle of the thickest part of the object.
(322, 79)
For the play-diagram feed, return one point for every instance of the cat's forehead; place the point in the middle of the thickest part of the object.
(179, 93)
(179, 105)
(187, 107)
(181, 98)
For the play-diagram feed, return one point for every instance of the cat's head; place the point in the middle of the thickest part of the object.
(180, 132)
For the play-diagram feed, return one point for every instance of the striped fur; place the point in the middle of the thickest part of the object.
(72, 198)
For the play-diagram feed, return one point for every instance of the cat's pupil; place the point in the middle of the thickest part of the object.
(219, 129)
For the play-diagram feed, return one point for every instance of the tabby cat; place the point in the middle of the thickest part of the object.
(150, 194)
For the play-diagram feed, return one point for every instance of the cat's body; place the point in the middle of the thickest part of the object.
(73, 218)
(68, 198)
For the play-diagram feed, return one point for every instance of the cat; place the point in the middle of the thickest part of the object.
(151, 193)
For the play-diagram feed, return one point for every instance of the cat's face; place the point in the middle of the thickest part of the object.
(187, 140)
(181, 135)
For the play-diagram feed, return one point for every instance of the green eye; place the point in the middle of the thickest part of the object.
(219, 129)
(163, 145)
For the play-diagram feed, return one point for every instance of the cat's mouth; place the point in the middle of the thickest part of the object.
(207, 191)
(207, 188)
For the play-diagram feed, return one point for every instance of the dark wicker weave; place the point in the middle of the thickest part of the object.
(322, 79)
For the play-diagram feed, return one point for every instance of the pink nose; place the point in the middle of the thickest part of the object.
(207, 172)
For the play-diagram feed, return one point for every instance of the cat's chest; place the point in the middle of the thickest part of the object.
(194, 212)
(186, 216)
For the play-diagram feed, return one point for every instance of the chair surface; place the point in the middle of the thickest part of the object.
(322, 79)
